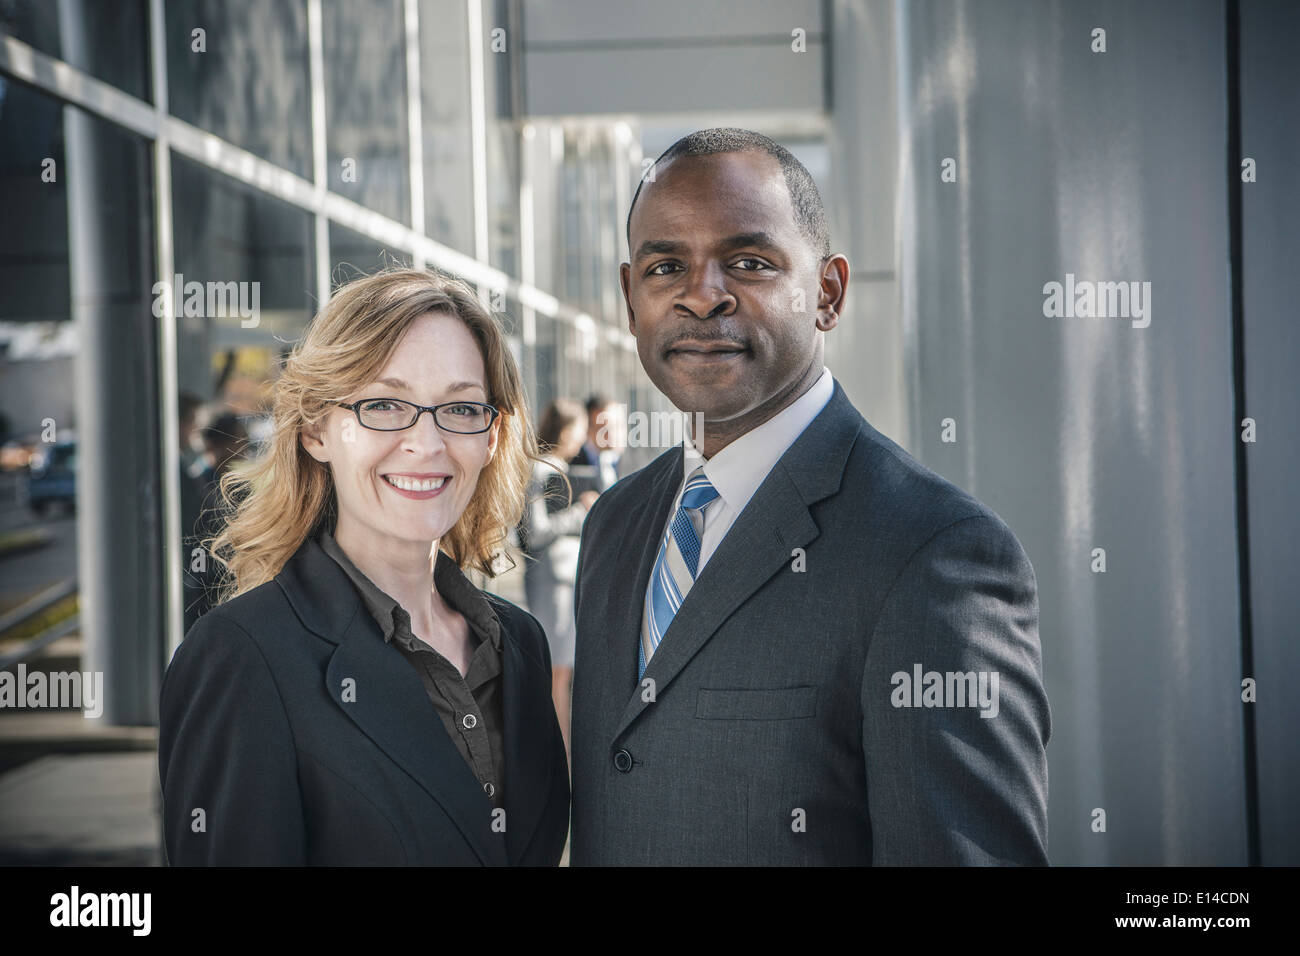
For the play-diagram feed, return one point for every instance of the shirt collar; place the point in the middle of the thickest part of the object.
(738, 470)
(393, 619)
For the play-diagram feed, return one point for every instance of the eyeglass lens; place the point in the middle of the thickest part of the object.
(391, 414)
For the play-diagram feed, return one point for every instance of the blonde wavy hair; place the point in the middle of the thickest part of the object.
(287, 496)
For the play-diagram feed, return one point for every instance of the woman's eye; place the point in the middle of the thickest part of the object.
(464, 410)
(379, 405)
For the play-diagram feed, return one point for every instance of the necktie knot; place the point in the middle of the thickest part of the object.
(699, 491)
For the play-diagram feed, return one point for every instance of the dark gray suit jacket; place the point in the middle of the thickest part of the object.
(774, 736)
(257, 732)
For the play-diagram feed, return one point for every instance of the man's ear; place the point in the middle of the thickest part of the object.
(832, 291)
(624, 278)
(309, 438)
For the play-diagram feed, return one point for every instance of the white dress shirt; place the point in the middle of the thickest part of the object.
(738, 470)
(608, 468)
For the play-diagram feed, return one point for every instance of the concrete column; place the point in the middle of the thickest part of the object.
(118, 498)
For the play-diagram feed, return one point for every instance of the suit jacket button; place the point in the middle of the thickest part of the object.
(623, 762)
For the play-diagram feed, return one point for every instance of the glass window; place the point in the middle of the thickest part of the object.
(247, 282)
(245, 76)
(38, 342)
(571, 225)
(34, 196)
(243, 290)
(444, 105)
(502, 134)
(365, 104)
(503, 195)
(547, 355)
(226, 232)
(77, 398)
(353, 255)
(109, 39)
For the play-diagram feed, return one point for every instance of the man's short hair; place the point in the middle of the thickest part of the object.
(809, 213)
(596, 402)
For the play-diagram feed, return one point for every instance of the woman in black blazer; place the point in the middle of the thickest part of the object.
(356, 699)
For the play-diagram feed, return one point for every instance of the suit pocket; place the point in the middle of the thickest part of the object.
(776, 703)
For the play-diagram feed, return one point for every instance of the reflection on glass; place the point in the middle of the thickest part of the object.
(34, 197)
(353, 255)
(38, 342)
(78, 386)
(365, 104)
(226, 230)
(243, 293)
(109, 39)
(238, 68)
(448, 157)
(503, 195)
(246, 287)
(546, 361)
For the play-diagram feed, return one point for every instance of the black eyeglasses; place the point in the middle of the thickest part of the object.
(394, 415)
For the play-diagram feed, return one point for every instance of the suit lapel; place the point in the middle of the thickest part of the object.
(644, 530)
(384, 696)
(759, 543)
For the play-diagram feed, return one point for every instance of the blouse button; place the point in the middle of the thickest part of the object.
(469, 721)
(490, 790)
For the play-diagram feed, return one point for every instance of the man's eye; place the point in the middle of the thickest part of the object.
(654, 270)
(755, 264)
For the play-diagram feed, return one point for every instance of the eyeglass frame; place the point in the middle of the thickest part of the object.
(355, 407)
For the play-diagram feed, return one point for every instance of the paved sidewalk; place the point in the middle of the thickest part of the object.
(94, 809)
(77, 792)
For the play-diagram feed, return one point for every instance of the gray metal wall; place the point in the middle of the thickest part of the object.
(865, 352)
(1089, 433)
(1270, 119)
(594, 56)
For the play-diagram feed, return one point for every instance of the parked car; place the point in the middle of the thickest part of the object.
(52, 478)
(15, 455)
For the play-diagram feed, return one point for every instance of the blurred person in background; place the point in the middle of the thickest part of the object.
(595, 465)
(357, 700)
(225, 445)
(192, 491)
(549, 536)
(225, 441)
(188, 406)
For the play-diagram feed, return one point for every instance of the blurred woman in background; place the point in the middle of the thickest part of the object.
(549, 536)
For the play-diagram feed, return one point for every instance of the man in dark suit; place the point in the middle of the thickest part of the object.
(795, 644)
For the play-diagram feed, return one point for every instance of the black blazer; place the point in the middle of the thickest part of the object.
(256, 733)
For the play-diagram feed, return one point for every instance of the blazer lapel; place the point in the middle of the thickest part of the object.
(759, 543)
(384, 697)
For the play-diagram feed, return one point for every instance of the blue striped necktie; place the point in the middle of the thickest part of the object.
(675, 567)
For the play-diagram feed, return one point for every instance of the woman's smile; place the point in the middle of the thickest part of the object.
(420, 487)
